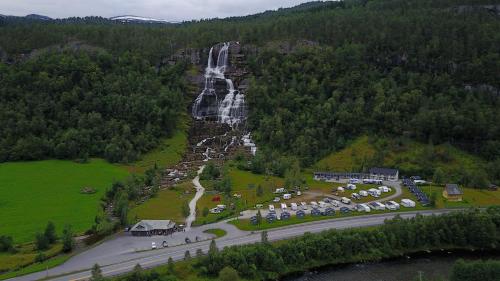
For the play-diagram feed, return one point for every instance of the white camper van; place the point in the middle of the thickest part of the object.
(314, 204)
(363, 193)
(303, 205)
(271, 208)
(294, 206)
(363, 208)
(408, 203)
(283, 206)
(345, 200)
(287, 196)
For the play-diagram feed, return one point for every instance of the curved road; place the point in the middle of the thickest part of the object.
(118, 260)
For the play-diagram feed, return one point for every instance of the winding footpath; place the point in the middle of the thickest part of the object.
(192, 204)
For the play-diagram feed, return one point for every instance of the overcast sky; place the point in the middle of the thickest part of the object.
(172, 10)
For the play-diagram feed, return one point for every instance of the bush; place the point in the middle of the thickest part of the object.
(67, 239)
(228, 274)
(41, 242)
(6, 243)
(50, 233)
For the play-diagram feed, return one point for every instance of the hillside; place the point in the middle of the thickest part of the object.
(410, 157)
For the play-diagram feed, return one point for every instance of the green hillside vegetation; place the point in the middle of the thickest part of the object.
(410, 157)
(32, 193)
(76, 105)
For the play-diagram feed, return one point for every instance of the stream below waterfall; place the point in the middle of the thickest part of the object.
(192, 204)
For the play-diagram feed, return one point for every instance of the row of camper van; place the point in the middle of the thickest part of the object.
(389, 205)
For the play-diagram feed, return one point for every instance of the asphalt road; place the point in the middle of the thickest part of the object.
(118, 259)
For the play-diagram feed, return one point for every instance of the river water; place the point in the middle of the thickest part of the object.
(429, 266)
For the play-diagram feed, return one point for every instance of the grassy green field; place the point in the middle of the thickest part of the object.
(244, 183)
(471, 198)
(168, 153)
(32, 193)
(167, 204)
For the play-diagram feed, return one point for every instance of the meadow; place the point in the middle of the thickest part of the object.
(33, 193)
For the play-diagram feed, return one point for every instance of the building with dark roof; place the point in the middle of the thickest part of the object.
(153, 227)
(452, 192)
(384, 174)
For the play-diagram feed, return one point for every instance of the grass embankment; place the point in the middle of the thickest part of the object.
(168, 153)
(33, 193)
(410, 157)
(217, 232)
(471, 197)
(167, 204)
(244, 183)
(10, 261)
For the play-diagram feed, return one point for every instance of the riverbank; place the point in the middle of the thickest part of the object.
(435, 265)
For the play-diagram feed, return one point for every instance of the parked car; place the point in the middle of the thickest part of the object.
(345, 210)
(363, 193)
(153, 245)
(271, 208)
(355, 196)
(391, 205)
(335, 203)
(276, 199)
(294, 206)
(314, 204)
(351, 187)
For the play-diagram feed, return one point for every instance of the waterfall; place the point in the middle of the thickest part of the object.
(227, 107)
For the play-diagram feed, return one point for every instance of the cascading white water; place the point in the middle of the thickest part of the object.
(231, 110)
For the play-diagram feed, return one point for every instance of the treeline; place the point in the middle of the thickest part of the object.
(78, 104)
(265, 261)
(488, 270)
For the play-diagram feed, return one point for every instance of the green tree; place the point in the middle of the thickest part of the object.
(187, 255)
(263, 237)
(41, 242)
(259, 191)
(67, 239)
(171, 266)
(50, 233)
(185, 209)
(439, 176)
(228, 274)
(96, 273)
(6, 243)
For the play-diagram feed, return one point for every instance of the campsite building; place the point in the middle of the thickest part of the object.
(452, 192)
(384, 174)
(153, 227)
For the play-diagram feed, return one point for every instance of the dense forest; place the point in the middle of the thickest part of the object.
(420, 69)
(76, 105)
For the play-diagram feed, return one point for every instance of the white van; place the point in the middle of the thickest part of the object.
(345, 200)
(351, 187)
(271, 208)
(363, 208)
(374, 192)
(408, 203)
(335, 203)
(287, 196)
(303, 205)
(340, 189)
(322, 204)
(363, 193)
(384, 189)
(294, 206)
(283, 206)
(280, 190)
(391, 205)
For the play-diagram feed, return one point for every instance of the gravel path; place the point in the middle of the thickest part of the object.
(192, 204)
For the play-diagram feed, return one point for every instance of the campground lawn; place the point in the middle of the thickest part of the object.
(472, 197)
(33, 193)
(167, 204)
